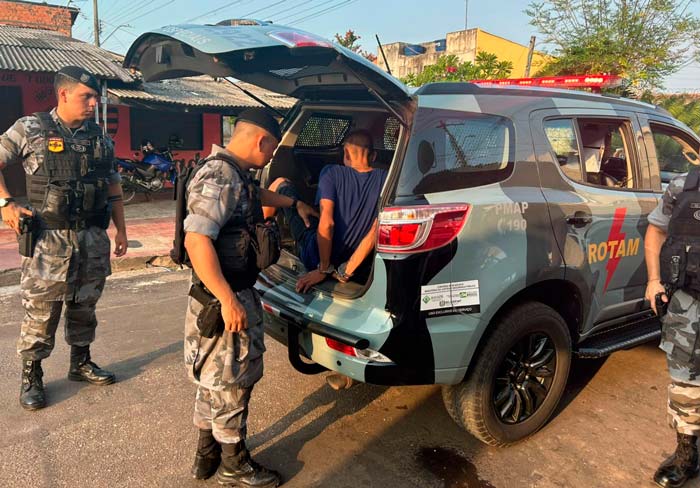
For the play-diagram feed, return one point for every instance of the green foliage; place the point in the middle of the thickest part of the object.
(450, 68)
(684, 108)
(643, 41)
(350, 41)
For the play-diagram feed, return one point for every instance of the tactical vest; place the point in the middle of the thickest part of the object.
(680, 253)
(235, 244)
(69, 189)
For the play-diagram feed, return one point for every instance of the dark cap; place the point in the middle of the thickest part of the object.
(81, 76)
(263, 119)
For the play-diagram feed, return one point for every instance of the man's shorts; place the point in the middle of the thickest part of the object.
(305, 237)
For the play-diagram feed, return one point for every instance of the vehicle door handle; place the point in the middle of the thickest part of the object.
(579, 219)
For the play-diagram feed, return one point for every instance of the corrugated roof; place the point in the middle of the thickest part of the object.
(201, 91)
(47, 51)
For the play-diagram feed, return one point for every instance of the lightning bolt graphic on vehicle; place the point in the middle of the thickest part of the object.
(616, 234)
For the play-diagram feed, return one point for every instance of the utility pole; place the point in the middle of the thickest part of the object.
(96, 23)
(530, 51)
(466, 13)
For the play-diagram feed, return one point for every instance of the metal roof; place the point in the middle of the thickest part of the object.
(201, 91)
(37, 50)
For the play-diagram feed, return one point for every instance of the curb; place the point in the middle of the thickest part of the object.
(9, 277)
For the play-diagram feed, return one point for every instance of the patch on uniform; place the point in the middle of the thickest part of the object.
(78, 148)
(84, 78)
(211, 191)
(696, 215)
(55, 144)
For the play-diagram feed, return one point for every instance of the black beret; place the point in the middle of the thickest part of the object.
(262, 118)
(81, 76)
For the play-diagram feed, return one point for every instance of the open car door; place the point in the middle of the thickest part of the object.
(278, 58)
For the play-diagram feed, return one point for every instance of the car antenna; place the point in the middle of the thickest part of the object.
(381, 50)
(256, 98)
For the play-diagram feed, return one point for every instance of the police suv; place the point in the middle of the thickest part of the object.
(510, 225)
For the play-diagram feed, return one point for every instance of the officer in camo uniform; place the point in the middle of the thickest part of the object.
(680, 333)
(226, 367)
(73, 189)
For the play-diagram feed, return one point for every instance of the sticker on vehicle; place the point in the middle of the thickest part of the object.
(450, 298)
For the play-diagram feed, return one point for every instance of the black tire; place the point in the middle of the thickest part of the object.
(523, 367)
(128, 192)
(449, 393)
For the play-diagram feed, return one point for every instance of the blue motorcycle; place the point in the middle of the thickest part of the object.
(154, 173)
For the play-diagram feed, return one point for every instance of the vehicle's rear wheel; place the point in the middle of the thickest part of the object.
(129, 192)
(518, 378)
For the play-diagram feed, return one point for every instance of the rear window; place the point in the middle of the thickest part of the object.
(451, 150)
(391, 133)
(323, 130)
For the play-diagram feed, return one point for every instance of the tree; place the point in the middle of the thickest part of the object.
(450, 68)
(349, 40)
(684, 108)
(643, 41)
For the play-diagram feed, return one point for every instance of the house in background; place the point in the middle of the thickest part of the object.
(405, 58)
(35, 42)
(193, 112)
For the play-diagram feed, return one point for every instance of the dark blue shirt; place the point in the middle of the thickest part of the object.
(355, 196)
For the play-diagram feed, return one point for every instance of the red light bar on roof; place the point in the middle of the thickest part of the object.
(581, 81)
(299, 39)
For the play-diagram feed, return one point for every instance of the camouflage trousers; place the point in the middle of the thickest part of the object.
(225, 369)
(68, 267)
(681, 342)
(38, 333)
(224, 412)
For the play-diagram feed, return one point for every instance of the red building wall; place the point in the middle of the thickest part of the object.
(37, 89)
(37, 96)
(37, 16)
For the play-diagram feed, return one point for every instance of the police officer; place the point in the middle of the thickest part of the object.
(672, 257)
(73, 189)
(221, 202)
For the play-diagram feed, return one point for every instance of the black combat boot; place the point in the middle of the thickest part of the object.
(680, 467)
(207, 457)
(31, 396)
(82, 369)
(239, 470)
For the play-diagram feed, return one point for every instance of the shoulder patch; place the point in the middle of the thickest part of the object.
(210, 190)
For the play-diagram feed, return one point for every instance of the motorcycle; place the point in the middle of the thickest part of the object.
(154, 173)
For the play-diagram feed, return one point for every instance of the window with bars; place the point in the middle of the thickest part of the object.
(323, 130)
(391, 133)
(449, 153)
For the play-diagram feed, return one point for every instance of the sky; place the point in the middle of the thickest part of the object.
(411, 21)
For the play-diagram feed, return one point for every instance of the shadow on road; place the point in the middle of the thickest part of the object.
(61, 390)
(422, 449)
(343, 403)
(581, 373)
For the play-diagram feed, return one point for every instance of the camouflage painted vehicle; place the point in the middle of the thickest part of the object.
(510, 226)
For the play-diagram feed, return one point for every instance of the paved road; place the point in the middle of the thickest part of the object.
(138, 433)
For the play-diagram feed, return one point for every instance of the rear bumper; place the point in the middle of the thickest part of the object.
(305, 340)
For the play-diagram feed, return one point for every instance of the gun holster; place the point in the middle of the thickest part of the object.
(209, 321)
(27, 236)
(661, 306)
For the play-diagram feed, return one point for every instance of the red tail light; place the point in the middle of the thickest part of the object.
(299, 39)
(340, 347)
(420, 228)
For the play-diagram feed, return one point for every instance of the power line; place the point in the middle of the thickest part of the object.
(212, 11)
(317, 13)
(245, 16)
(304, 10)
(155, 9)
(129, 12)
(345, 3)
(291, 8)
